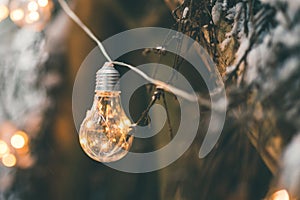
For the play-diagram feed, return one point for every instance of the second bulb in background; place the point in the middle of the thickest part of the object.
(31, 13)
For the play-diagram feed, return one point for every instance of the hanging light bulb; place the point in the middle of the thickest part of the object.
(4, 12)
(105, 132)
(31, 13)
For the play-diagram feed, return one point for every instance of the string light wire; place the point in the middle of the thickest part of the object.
(78, 21)
(160, 84)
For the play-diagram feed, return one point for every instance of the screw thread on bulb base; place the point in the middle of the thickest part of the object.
(107, 78)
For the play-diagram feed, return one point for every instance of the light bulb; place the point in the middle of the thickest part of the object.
(4, 12)
(31, 13)
(105, 132)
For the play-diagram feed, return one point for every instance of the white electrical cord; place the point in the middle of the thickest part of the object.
(161, 84)
(78, 21)
(158, 83)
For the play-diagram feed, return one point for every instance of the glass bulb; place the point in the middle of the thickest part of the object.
(31, 13)
(105, 132)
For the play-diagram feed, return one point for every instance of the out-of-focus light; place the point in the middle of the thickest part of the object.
(43, 3)
(9, 160)
(280, 195)
(3, 148)
(32, 6)
(31, 13)
(25, 161)
(32, 17)
(17, 15)
(19, 140)
(4, 12)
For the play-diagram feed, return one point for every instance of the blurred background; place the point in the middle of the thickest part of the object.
(41, 50)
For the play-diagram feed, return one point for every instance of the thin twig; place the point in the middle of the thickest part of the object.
(168, 115)
(155, 97)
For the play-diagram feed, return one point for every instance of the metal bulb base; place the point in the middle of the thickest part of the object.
(107, 78)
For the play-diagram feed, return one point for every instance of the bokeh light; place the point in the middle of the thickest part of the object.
(280, 195)
(3, 148)
(19, 140)
(31, 13)
(32, 17)
(4, 12)
(9, 160)
(32, 6)
(43, 3)
(17, 15)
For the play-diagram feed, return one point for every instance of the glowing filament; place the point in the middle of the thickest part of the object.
(104, 134)
(9, 160)
(17, 15)
(104, 146)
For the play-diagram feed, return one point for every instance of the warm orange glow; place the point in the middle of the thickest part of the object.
(43, 3)
(32, 6)
(9, 160)
(280, 195)
(17, 15)
(25, 161)
(3, 148)
(19, 140)
(3, 12)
